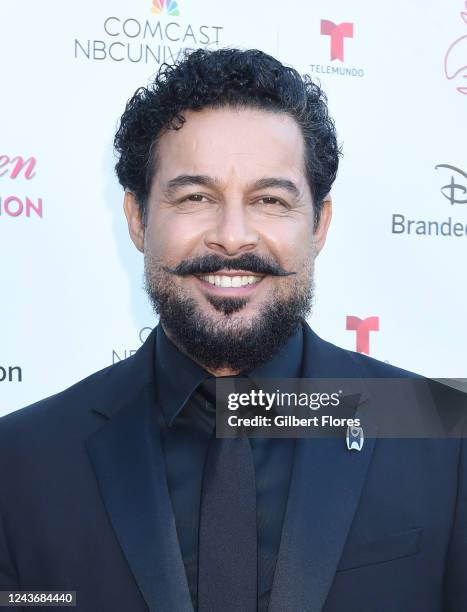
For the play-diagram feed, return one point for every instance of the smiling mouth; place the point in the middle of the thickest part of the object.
(230, 280)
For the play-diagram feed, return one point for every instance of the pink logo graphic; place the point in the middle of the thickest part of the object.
(455, 60)
(13, 166)
(337, 33)
(18, 168)
(362, 329)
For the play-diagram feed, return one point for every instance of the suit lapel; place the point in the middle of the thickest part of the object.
(325, 487)
(128, 462)
(127, 458)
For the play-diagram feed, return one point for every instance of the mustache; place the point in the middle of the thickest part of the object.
(210, 264)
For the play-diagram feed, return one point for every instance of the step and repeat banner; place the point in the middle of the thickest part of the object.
(391, 281)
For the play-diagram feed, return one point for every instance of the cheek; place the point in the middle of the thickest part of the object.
(290, 243)
(174, 237)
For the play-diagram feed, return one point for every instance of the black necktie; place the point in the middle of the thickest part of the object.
(227, 557)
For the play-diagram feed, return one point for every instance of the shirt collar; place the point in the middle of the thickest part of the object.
(178, 376)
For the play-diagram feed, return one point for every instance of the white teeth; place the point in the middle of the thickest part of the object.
(230, 281)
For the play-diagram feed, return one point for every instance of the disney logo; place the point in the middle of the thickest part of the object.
(457, 187)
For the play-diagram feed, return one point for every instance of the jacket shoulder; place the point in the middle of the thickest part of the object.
(64, 406)
(379, 369)
(344, 361)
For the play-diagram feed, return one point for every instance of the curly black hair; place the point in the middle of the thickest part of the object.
(219, 78)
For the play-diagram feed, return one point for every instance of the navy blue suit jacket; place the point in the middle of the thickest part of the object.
(84, 505)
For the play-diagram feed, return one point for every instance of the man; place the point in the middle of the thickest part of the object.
(118, 488)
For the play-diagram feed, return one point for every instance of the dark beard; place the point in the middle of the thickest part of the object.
(239, 348)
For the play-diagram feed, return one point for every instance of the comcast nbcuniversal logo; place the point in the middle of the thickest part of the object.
(168, 6)
(157, 36)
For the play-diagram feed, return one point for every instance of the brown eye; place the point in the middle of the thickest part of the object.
(271, 201)
(194, 197)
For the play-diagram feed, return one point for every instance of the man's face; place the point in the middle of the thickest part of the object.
(229, 244)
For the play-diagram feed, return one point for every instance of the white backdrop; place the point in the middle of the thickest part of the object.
(71, 281)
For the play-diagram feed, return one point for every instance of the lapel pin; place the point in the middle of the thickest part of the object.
(354, 438)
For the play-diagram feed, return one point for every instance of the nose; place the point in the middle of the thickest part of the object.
(232, 232)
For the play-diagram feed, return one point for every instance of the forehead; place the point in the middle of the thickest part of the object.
(229, 143)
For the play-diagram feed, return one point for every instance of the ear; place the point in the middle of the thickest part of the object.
(134, 220)
(323, 225)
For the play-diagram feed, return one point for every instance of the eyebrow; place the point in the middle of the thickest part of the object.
(184, 180)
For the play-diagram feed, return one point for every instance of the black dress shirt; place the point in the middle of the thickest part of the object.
(187, 422)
